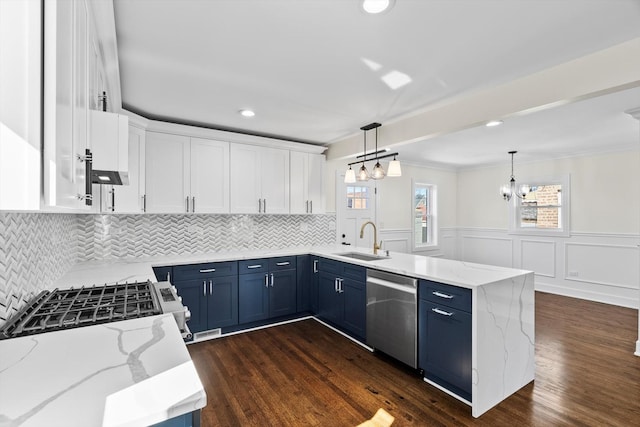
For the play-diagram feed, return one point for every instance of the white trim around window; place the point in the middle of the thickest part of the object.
(424, 228)
(523, 218)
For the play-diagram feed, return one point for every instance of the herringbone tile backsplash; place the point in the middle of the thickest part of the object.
(37, 248)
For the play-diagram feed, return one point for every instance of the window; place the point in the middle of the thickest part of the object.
(357, 197)
(424, 215)
(544, 210)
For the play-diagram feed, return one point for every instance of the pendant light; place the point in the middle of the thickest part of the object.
(363, 173)
(508, 190)
(394, 168)
(377, 172)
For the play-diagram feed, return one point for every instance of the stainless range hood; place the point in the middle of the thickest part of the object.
(110, 148)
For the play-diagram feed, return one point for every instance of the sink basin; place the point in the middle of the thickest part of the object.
(361, 256)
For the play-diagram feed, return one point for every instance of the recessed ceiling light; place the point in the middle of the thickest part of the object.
(375, 6)
(247, 113)
(493, 123)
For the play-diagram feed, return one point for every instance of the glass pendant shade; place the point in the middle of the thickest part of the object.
(378, 172)
(363, 174)
(350, 176)
(394, 168)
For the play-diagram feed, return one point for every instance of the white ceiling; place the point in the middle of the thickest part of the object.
(312, 69)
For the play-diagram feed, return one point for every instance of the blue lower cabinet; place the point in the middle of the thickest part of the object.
(213, 301)
(267, 289)
(253, 297)
(303, 271)
(355, 307)
(191, 419)
(444, 346)
(342, 298)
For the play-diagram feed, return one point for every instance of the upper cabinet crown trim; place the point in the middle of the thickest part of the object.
(240, 138)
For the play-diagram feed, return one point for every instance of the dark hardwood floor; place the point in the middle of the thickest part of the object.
(304, 373)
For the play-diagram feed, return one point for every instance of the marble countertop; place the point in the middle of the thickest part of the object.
(457, 273)
(130, 373)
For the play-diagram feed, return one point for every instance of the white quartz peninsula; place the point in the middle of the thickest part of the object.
(130, 373)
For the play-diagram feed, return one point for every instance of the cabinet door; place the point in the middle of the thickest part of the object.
(209, 176)
(315, 186)
(222, 302)
(330, 302)
(129, 198)
(282, 293)
(253, 303)
(245, 178)
(355, 307)
(444, 350)
(275, 180)
(299, 166)
(194, 296)
(166, 170)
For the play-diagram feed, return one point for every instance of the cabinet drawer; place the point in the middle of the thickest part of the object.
(209, 269)
(282, 263)
(354, 272)
(330, 266)
(249, 266)
(448, 295)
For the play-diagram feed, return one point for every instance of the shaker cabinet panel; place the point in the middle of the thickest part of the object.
(259, 179)
(253, 290)
(167, 180)
(306, 177)
(209, 168)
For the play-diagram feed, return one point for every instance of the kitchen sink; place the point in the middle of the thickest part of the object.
(361, 256)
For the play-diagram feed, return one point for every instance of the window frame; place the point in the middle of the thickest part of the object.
(515, 208)
(432, 217)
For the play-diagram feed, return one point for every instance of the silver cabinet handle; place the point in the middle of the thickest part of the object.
(264, 205)
(442, 312)
(193, 203)
(307, 206)
(283, 263)
(254, 266)
(315, 265)
(210, 287)
(259, 205)
(187, 204)
(340, 289)
(113, 199)
(208, 270)
(204, 288)
(311, 205)
(266, 280)
(144, 203)
(168, 276)
(272, 280)
(335, 284)
(441, 295)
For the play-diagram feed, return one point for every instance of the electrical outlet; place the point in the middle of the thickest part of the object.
(304, 227)
(573, 274)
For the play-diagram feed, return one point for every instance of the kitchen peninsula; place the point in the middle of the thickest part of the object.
(502, 305)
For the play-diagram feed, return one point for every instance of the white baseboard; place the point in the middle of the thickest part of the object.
(587, 295)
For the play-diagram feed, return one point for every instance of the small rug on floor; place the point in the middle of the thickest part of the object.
(381, 419)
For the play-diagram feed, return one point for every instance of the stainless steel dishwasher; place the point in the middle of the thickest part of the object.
(392, 315)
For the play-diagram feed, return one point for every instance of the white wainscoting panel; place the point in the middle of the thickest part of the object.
(539, 256)
(396, 240)
(487, 250)
(602, 264)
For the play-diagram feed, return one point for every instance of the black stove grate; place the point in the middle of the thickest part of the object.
(72, 308)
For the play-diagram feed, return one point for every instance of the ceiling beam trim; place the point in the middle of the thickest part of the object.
(606, 71)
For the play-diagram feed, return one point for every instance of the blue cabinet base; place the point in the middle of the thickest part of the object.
(191, 419)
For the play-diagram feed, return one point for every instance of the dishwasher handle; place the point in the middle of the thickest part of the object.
(381, 282)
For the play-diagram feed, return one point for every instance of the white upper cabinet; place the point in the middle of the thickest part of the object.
(66, 103)
(128, 198)
(166, 161)
(259, 179)
(307, 196)
(209, 176)
(186, 175)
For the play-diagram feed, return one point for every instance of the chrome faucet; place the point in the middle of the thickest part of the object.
(376, 246)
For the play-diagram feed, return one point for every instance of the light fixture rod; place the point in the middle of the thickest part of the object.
(373, 153)
(381, 157)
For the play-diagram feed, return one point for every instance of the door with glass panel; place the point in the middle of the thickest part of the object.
(355, 205)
